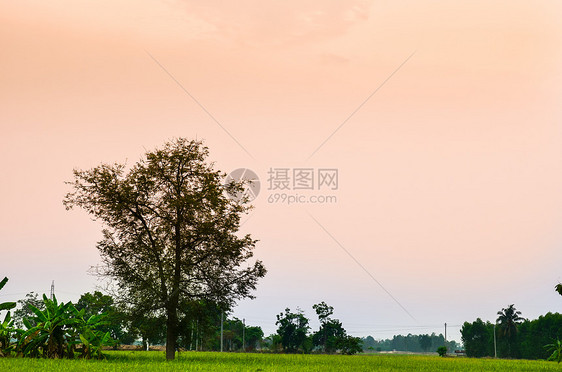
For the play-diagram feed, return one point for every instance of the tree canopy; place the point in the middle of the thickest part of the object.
(293, 329)
(170, 230)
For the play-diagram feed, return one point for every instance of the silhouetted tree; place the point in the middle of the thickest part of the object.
(171, 230)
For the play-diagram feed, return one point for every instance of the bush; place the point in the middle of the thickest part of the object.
(350, 345)
(442, 351)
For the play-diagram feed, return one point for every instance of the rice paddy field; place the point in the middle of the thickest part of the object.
(208, 361)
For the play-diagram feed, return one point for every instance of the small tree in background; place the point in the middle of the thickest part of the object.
(23, 309)
(477, 338)
(350, 345)
(98, 303)
(329, 329)
(332, 336)
(293, 329)
(254, 337)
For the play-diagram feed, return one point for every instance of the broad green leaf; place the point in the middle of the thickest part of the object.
(3, 282)
(7, 305)
(26, 323)
(8, 317)
(38, 313)
(84, 341)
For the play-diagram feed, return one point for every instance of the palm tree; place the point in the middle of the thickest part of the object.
(558, 288)
(508, 320)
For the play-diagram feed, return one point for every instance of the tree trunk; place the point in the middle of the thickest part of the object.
(171, 332)
(172, 306)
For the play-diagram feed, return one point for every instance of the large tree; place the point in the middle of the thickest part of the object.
(170, 230)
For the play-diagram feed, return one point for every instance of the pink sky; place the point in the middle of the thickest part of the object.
(450, 174)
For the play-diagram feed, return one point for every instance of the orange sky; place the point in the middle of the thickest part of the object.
(449, 174)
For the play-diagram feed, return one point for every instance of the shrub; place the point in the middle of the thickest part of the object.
(442, 351)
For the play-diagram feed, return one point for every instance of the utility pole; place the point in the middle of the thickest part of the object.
(243, 334)
(52, 290)
(495, 349)
(222, 314)
(446, 336)
(192, 335)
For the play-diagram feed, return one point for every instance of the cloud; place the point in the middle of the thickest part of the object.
(257, 23)
(333, 59)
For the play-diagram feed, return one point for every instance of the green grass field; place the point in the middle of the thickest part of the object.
(203, 361)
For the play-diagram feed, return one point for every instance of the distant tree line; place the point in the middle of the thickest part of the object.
(515, 336)
(411, 343)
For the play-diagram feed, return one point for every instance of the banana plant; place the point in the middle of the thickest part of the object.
(91, 338)
(60, 330)
(556, 349)
(6, 327)
(50, 337)
(93, 343)
(7, 332)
